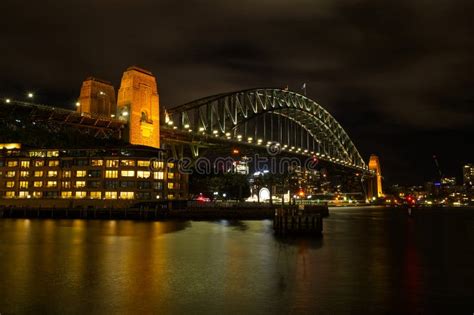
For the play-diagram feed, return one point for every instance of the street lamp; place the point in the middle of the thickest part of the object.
(30, 95)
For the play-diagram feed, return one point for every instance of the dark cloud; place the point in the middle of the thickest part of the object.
(394, 73)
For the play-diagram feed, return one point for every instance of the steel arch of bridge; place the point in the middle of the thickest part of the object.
(223, 116)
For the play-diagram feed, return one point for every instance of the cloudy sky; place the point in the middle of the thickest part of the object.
(398, 75)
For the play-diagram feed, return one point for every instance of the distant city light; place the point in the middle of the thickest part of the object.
(125, 114)
(30, 95)
(78, 104)
(7, 100)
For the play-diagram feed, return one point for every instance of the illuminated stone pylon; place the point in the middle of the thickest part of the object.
(138, 104)
(375, 183)
(97, 97)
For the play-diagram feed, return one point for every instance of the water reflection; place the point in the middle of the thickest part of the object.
(368, 261)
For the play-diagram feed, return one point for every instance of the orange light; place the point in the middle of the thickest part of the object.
(301, 193)
(235, 151)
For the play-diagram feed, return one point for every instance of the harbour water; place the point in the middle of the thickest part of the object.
(369, 260)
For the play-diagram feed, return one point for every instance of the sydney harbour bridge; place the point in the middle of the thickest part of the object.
(251, 120)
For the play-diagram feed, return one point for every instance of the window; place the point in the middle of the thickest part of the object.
(95, 173)
(127, 163)
(158, 165)
(10, 174)
(158, 175)
(10, 194)
(110, 195)
(111, 174)
(93, 183)
(80, 184)
(52, 153)
(143, 195)
(127, 184)
(158, 185)
(50, 194)
(66, 194)
(126, 195)
(37, 194)
(12, 163)
(10, 184)
(52, 184)
(66, 174)
(81, 173)
(23, 184)
(23, 194)
(143, 174)
(111, 184)
(170, 175)
(97, 162)
(81, 194)
(38, 184)
(144, 185)
(38, 174)
(52, 173)
(37, 154)
(170, 185)
(112, 163)
(82, 162)
(24, 174)
(39, 163)
(53, 163)
(96, 195)
(170, 197)
(25, 164)
(170, 164)
(66, 184)
(127, 173)
(143, 163)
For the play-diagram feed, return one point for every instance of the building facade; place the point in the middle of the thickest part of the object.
(96, 177)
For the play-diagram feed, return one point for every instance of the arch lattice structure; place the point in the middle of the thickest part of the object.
(268, 116)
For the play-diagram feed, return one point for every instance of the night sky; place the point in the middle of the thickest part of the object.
(398, 75)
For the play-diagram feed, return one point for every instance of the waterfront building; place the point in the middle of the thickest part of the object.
(468, 175)
(96, 177)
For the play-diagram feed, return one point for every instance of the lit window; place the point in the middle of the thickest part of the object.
(52, 153)
(170, 164)
(66, 184)
(143, 163)
(170, 196)
(12, 163)
(10, 194)
(112, 163)
(80, 184)
(110, 195)
(143, 174)
(52, 184)
(111, 174)
(25, 164)
(158, 164)
(38, 174)
(126, 195)
(37, 194)
(23, 184)
(127, 163)
(127, 173)
(170, 175)
(23, 194)
(38, 184)
(66, 194)
(66, 174)
(52, 173)
(81, 194)
(24, 174)
(81, 173)
(10, 174)
(53, 163)
(39, 163)
(37, 154)
(96, 194)
(97, 162)
(170, 185)
(158, 175)
(10, 184)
